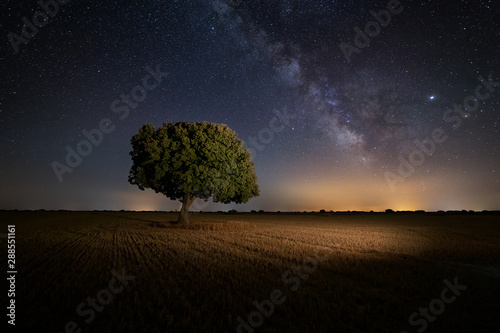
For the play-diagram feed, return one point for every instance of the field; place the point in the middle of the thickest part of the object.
(324, 272)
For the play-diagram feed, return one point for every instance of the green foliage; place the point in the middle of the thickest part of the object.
(200, 160)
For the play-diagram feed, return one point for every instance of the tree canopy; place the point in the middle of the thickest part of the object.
(187, 160)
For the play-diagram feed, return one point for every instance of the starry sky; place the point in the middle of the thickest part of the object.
(346, 105)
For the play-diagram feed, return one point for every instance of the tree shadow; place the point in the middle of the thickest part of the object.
(146, 220)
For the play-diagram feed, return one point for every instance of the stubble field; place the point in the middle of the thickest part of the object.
(136, 272)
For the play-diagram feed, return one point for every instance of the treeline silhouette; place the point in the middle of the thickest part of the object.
(234, 211)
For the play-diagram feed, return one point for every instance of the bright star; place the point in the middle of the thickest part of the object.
(432, 97)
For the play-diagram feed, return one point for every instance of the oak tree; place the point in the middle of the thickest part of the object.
(187, 160)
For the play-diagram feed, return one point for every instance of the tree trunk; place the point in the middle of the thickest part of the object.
(184, 213)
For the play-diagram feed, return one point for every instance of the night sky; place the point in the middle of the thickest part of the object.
(346, 105)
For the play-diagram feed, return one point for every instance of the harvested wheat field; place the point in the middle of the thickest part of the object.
(370, 272)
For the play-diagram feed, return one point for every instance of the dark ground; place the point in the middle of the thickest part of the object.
(353, 272)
